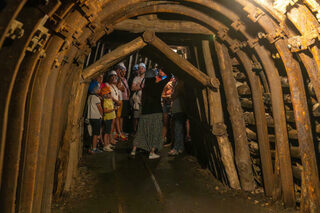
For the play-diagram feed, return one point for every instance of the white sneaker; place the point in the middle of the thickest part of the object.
(107, 149)
(133, 153)
(112, 146)
(153, 156)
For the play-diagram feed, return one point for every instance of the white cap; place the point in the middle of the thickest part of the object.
(142, 65)
(112, 72)
(121, 65)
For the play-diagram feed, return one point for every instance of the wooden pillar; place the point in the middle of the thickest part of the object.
(242, 154)
(202, 93)
(217, 121)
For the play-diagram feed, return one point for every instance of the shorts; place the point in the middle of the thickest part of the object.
(119, 110)
(107, 126)
(166, 108)
(96, 124)
(125, 109)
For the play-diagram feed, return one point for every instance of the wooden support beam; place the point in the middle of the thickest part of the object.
(163, 26)
(242, 154)
(185, 65)
(216, 120)
(112, 58)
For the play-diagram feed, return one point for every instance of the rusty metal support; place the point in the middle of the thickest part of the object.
(261, 123)
(54, 140)
(112, 58)
(56, 131)
(217, 122)
(242, 154)
(279, 124)
(277, 105)
(46, 123)
(8, 15)
(310, 179)
(13, 56)
(185, 65)
(13, 146)
(299, 16)
(28, 179)
(311, 190)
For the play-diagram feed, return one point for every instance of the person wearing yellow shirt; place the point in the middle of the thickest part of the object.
(108, 117)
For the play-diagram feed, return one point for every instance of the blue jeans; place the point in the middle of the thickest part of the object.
(179, 123)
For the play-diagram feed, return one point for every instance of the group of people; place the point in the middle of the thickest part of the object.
(149, 100)
(108, 105)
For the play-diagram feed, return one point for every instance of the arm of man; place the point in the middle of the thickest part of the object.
(115, 100)
(136, 85)
(120, 86)
(100, 109)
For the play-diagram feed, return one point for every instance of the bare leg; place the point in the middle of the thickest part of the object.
(133, 152)
(101, 136)
(165, 125)
(121, 125)
(106, 139)
(112, 141)
(94, 141)
(118, 126)
(152, 150)
(188, 130)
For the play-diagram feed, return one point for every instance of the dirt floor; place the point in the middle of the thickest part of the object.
(114, 182)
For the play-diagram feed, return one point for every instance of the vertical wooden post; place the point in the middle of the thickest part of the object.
(216, 119)
(203, 92)
(242, 154)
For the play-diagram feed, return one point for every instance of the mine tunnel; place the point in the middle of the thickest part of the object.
(250, 70)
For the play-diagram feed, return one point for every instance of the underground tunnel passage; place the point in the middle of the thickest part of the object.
(251, 74)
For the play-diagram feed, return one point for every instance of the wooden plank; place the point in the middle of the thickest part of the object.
(142, 25)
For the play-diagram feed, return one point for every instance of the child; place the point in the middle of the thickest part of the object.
(109, 116)
(95, 113)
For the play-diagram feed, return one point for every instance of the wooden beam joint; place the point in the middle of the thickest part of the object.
(150, 38)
